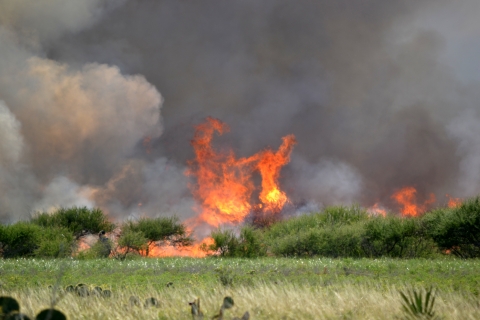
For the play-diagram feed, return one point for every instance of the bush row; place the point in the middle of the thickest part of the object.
(352, 232)
(56, 234)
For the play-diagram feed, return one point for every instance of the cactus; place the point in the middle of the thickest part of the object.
(416, 307)
(151, 302)
(50, 314)
(82, 290)
(197, 313)
(97, 291)
(16, 316)
(134, 301)
(8, 305)
(106, 293)
(69, 288)
(246, 316)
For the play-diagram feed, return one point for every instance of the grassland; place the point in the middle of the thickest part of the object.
(269, 288)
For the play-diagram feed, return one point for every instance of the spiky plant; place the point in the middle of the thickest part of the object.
(419, 304)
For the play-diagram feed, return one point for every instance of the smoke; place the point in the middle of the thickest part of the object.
(375, 92)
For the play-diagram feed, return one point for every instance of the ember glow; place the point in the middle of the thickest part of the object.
(225, 185)
(407, 199)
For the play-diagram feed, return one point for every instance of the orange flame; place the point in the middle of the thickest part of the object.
(453, 202)
(194, 251)
(377, 210)
(224, 183)
(406, 197)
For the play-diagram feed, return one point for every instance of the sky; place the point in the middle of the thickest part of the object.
(99, 99)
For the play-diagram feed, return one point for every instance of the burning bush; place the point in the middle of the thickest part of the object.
(164, 229)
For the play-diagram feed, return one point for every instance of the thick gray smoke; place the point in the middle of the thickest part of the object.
(376, 93)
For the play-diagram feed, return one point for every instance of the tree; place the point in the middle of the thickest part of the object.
(130, 241)
(77, 220)
(166, 230)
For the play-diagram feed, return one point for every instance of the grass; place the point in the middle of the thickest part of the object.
(269, 288)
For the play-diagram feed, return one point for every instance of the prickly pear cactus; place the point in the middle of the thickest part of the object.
(8, 305)
(50, 314)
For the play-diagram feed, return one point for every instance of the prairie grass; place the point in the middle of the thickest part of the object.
(263, 301)
(269, 288)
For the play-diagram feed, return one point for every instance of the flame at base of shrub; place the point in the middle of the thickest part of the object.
(197, 250)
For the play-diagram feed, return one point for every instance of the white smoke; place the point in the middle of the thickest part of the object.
(59, 120)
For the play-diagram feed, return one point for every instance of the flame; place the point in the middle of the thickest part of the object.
(224, 185)
(453, 202)
(406, 197)
(377, 210)
(195, 251)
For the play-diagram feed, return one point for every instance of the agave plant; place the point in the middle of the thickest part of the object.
(416, 305)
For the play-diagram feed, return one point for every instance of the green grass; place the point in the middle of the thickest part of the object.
(269, 288)
(446, 273)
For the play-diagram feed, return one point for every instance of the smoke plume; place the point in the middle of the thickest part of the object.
(376, 93)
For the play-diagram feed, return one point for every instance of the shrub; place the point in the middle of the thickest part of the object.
(55, 243)
(225, 243)
(131, 241)
(77, 220)
(341, 241)
(397, 237)
(457, 229)
(167, 230)
(251, 243)
(331, 217)
(20, 239)
(98, 250)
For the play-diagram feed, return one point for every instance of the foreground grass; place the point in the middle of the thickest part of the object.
(269, 288)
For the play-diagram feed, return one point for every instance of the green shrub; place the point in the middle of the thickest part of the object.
(131, 241)
(225, 243)
(165, 229)
(20, 239)
(457, 229)
(397, 237)
(341, 241)
(249, 244)
(77, 220)
(55, 243)
(331, 217)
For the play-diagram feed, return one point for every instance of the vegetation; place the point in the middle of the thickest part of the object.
(79, 221)
(269, 288)
(168, 231)
(352, 232)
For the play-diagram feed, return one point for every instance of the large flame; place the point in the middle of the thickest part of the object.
(407, 199)
(225, 186)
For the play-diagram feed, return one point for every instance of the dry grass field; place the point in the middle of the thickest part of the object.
(267, 288)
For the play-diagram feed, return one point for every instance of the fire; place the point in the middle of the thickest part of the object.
(224, 185)
(453, 202)
(377, 210)
(269, 165)
(406, 197)
(194, 251)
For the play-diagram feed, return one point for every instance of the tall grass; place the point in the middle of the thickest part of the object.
(263, 301)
